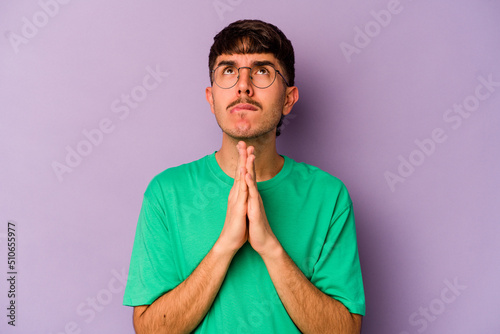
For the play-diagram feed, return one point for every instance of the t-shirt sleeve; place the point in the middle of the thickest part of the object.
(152, 268)
(337, 271)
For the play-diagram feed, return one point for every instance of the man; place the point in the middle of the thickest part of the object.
(245, 240)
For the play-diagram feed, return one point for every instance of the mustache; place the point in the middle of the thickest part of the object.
(247, 101)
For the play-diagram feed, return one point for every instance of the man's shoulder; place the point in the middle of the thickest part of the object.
(183, 169)
(321, 185)
(179, 174)
(313, 174)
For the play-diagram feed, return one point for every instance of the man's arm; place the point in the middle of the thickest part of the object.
(311, 310)
(180, 310)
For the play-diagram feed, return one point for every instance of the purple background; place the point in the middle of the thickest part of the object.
(356, 115)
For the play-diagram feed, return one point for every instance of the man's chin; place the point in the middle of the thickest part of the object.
(247, 135)
(241, 135)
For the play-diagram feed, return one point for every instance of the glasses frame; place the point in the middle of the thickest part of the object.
(250, 68)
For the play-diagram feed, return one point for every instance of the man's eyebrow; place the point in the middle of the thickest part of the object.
(262, 63)
(226, 63)
(254, 63)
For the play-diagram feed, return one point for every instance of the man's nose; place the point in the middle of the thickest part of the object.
(245, 81)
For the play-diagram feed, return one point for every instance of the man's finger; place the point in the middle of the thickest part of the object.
(242, 185)
(250, 166)
(242, 159)
(252, 186)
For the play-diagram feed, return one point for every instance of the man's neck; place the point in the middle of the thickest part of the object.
(268, 162)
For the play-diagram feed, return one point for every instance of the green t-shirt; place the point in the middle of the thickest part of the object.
(183, 213)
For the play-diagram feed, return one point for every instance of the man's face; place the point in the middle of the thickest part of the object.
(245, 111)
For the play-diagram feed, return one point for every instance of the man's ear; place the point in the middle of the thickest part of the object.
(291, 97)
(210, 98)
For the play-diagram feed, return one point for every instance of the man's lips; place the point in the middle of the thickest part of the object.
(243, 106)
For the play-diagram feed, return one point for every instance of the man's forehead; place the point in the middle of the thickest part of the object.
(244, 59)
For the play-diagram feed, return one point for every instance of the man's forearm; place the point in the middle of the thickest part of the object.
(311, 310)
(182, 309)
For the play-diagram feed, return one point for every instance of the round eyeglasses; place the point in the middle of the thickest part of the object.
(262, 76)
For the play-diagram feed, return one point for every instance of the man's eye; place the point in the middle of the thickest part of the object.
(228, 70)
(262, 71)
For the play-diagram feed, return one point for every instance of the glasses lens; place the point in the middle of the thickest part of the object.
(263, 76)
(226, 76)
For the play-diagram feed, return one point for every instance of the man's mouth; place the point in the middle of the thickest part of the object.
(243, 106)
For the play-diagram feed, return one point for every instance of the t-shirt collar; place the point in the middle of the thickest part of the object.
(223, 177)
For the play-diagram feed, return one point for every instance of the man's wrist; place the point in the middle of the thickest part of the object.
(273, 252)
(222, 250)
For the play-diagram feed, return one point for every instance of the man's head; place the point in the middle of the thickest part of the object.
(243, 44)
(254, 36)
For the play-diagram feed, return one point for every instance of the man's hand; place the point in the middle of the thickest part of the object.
(245, 216)
(235, 231)
(260, 235)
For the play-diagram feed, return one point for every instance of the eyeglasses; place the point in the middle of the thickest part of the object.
(262, 76)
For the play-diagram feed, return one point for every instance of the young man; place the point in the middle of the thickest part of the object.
(245, 240)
